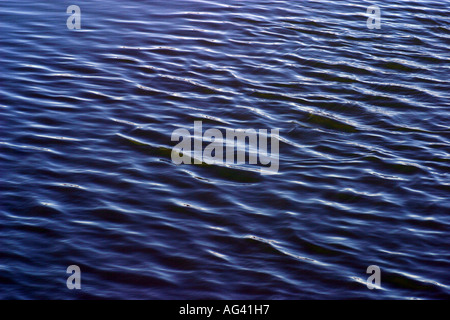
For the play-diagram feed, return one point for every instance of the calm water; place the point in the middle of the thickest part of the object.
(87, 177)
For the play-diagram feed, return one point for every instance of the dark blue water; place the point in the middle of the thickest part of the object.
(86, 176)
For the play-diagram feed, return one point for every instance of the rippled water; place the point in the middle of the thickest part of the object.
(87, 177)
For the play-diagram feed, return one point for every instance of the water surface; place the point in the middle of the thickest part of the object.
(87, 178)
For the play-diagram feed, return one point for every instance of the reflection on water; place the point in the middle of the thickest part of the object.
(85, 149)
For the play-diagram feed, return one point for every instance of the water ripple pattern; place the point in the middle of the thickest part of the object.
(86, 176)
